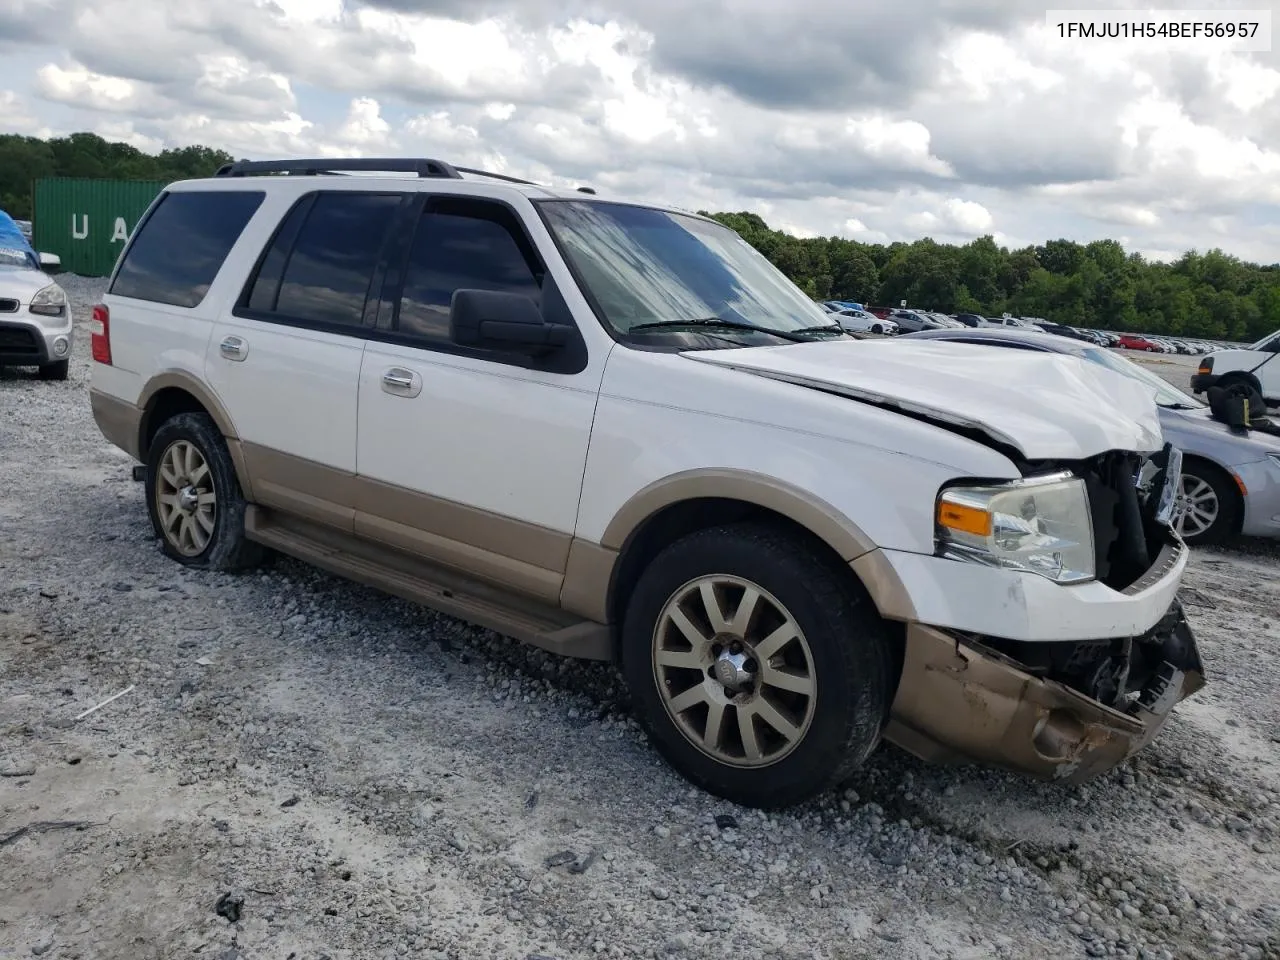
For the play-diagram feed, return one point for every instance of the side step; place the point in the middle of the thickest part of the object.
(431, 585)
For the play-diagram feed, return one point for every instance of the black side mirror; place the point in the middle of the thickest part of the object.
(492, 320)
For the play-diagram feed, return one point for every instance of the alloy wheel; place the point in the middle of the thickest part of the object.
(1197, 506)
(734, 671)
(186, 501)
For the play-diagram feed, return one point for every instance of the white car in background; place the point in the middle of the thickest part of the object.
(859, 321)
(35, 318)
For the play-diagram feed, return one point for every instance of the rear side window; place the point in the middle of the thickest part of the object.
(181, 245)
(321, 263)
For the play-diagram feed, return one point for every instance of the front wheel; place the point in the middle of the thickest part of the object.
(877, 328)
(760, 669)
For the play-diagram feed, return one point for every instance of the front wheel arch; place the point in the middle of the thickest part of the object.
(1239, 376)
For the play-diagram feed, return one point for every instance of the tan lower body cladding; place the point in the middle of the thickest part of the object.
(538, 585)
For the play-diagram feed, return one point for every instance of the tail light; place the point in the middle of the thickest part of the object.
(100, 334)
(1206, 365)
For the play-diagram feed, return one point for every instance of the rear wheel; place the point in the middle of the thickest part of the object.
(194, 497)
(55, 371)
(761, 671)
(1208, 505)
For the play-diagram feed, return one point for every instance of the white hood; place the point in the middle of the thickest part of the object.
(1047, 406)
(21, 284)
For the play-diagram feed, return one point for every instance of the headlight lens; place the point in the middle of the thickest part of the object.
(49, 302)
(1040, 525)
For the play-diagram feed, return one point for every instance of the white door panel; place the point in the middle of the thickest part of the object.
(289, 389)
(495, 437)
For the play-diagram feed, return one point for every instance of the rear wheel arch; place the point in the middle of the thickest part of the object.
(169, 394)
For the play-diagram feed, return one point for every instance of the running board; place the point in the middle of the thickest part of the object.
(429, 584)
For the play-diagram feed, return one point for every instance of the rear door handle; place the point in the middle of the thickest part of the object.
(400, 382)
(233, 348)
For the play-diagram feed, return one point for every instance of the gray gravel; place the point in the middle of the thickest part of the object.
(349, 776)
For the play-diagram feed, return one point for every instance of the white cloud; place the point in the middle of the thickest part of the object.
(363, 130)
(15, 116)
(968, 216)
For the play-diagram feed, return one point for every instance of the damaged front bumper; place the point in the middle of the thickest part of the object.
(961, 700)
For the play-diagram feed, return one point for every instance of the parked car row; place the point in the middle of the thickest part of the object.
(899, 319)
(1151, 344)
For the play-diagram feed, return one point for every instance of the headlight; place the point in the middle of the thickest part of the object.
(1040, 525)
(49, 302)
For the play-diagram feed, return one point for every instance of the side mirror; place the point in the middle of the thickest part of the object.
(50, 263)
(491, 320)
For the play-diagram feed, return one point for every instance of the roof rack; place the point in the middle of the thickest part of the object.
(422, 167)
(497, 176)
(419, 166)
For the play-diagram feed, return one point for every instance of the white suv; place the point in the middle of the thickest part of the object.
(616, 431)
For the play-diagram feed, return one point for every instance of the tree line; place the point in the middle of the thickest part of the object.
(23, 160)
(1098, 284)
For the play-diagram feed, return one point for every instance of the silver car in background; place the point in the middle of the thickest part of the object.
(1230, 481)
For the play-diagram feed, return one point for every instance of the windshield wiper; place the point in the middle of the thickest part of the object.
(729, 325)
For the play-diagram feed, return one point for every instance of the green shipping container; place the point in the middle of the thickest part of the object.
(87, 222)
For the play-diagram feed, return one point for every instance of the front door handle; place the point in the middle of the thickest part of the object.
(233, 348)
(401, 382)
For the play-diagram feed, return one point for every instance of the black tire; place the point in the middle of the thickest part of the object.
(1230, 503)
(228, 549)
(55, 371)
(877, 328)
(853, 657)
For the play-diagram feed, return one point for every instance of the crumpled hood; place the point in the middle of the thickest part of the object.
(1047, 406)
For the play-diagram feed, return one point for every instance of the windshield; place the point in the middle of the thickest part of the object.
(14, 257)
(1265, 341)
(1167, 395)
(643, 266)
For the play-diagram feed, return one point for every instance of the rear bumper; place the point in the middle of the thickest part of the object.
(119, 421)
(960, 701)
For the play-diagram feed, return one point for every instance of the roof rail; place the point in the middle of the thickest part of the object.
(422, 167)
(496, 176)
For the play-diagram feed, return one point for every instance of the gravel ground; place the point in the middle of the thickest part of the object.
(303, 768)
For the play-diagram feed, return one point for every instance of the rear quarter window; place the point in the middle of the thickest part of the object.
(181, 245)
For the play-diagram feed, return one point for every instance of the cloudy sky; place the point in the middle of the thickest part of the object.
(871, 119)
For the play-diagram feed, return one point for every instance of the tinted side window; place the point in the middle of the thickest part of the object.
(327, 275)
(180, 247)
(459, 249)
